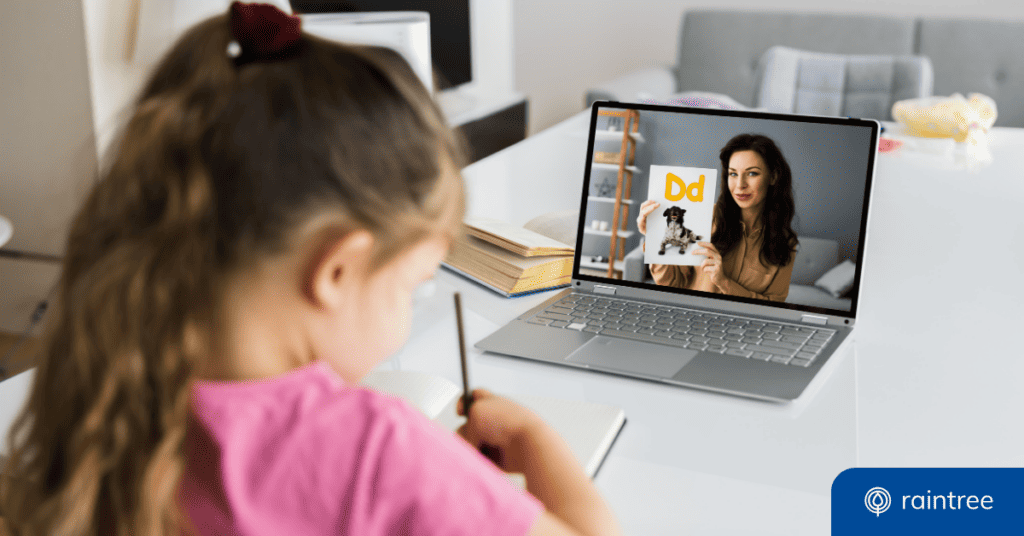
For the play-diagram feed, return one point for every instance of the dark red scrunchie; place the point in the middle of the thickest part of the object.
(264, 32)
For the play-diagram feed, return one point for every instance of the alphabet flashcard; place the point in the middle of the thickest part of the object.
(687, 199)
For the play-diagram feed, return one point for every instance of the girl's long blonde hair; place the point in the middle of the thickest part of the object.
(217, 164)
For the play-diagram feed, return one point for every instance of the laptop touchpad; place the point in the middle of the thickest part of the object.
(637, 357)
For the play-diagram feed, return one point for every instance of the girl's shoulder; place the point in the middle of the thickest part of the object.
(308, 400)
(304, 430)
(310, 431)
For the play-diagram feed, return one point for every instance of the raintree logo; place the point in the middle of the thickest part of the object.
(937, 501)
(877, 500)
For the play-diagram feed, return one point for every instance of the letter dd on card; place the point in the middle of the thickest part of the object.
(687, 198)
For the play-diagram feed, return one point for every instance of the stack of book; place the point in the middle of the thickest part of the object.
(510, 260)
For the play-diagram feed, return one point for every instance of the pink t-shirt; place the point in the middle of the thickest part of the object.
(303, 453)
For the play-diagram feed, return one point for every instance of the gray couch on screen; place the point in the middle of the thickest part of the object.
(719, 51)
(814, 257)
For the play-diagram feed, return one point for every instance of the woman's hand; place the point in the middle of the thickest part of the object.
(646, 209)
(497, 422)
(712, 265)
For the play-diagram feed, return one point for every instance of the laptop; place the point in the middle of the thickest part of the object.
(766, 342)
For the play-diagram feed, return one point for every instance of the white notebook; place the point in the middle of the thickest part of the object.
(588, 428)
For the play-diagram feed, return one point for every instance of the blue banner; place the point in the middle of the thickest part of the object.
(904, 501)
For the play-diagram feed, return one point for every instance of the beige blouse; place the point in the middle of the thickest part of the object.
(742, 265)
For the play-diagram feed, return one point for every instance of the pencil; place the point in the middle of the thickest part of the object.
(467, 396)
(491, 452)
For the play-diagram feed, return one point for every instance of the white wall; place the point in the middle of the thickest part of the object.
(47, 156)
(563, 47)
(45, 119)
(117, 66)
(67, 79)
(63, 103)
(115, 79)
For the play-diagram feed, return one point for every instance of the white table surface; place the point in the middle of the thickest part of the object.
(933, 379)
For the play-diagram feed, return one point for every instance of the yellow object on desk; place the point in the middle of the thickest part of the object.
(946, 117)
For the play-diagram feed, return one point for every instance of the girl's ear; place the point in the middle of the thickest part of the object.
(335, 264)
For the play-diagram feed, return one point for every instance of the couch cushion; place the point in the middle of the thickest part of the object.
(839, 280)
(853, 85)
(983, 56)
(719, 50)
(814, 257)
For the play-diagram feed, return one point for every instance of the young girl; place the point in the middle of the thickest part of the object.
(249, 254)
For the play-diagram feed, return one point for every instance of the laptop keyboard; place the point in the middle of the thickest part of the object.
(785, 344)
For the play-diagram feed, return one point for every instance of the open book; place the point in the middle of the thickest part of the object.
(589, 429)
(524, 241)
(513, 260)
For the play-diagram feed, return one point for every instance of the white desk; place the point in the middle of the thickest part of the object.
(933, 379)
(701, 463)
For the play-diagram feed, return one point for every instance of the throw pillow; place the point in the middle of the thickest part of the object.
(857, 85)
(839, 280)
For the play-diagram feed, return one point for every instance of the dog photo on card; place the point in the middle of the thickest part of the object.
(687, 199)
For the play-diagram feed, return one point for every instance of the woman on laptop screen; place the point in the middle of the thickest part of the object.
(752, 244)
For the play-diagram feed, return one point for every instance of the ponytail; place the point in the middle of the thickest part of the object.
(109, 408)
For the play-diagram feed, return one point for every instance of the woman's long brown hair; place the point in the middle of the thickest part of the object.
(779, 240)
(216, 166)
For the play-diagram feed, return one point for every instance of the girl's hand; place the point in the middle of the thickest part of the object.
(495, 421)
(528, 446)
(646, 209)
(712, 265)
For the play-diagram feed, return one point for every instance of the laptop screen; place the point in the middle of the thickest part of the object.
(749, 207)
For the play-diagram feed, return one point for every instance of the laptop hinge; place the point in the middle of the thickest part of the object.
(601, 289)
(814, 319)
